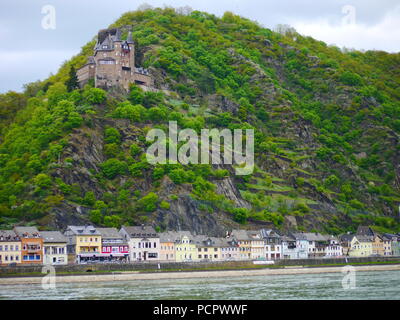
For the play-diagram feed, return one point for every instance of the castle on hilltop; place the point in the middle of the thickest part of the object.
(113, 63)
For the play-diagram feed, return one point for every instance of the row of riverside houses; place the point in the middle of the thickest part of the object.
(88, 244)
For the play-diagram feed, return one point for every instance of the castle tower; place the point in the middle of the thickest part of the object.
(113, 63)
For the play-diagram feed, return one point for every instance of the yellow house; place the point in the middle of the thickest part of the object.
(244, 241)
(185, 248)
(257, 245)
(209, 249)
(10, 247)
(84, 242)
(387, 246)
(361, 246)
(378, 246)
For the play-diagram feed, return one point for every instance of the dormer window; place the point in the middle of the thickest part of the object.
(105, 47)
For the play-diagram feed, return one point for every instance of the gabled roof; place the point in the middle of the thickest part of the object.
(362, 238)
(254, 235)
(211, 242)
(53, 237)
(91, 60)
(141, 232)
(179, 235)
(167, 237)
(392, 237)
(240, 235)
(315, 237)
(299, 236)
(287, 238)
(83, 230)
(107, 37)
(365, 231)
(8, 235)
(269, 233)
(109, 233)
(27, 232)
(347, 237)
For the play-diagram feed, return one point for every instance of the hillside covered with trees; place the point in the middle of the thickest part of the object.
(326, 121)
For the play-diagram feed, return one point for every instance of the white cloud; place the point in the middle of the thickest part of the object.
(383, 35)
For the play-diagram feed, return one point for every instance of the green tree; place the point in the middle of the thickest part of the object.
(42, 180)
(136, 95)
(72, 83)
(94, 95)
(96, 217)
(148, 203)
(112, 135)
(113, 167)
(89, 198)
(113, 221)
(240, 215)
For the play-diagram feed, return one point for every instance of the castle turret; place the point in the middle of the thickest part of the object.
(113, 62)
(129, 39)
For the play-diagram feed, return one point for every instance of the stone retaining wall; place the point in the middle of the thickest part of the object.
(25, 269)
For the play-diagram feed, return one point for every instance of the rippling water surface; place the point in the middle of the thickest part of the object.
(369, 285)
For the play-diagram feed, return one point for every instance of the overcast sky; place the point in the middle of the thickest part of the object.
(29, 52)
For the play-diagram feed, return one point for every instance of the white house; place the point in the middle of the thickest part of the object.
(322, 246)
(143, 241)
(54, 248)
(289, 247)
(257, 247)
(302, 245)
(272, 244)
(334, 248)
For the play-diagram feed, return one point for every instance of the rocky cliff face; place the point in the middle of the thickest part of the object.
(326, 128)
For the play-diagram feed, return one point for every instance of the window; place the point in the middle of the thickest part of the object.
(106, 61)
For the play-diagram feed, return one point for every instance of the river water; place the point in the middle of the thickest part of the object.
(368, 285)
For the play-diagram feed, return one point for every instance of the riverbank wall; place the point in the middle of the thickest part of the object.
(216, 274)
(189, 266)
